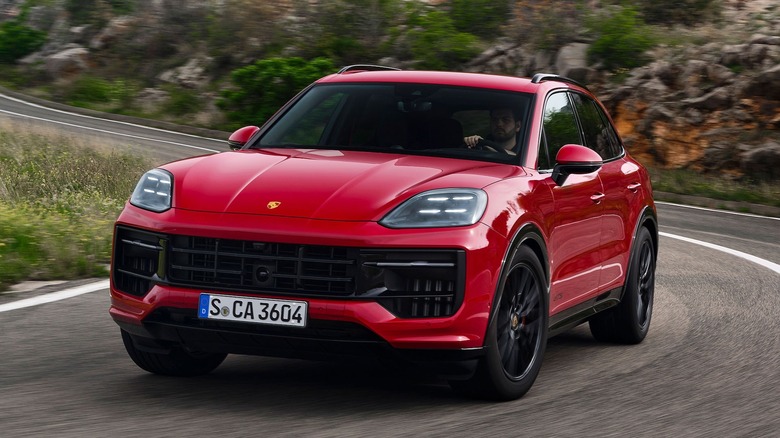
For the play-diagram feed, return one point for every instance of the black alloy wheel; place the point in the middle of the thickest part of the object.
(517, 335)
(645, 283)
(519, 322)
(629, 321)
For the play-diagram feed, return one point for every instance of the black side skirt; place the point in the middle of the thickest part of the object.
(569, 318)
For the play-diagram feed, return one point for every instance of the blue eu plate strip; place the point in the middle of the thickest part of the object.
(203, 306)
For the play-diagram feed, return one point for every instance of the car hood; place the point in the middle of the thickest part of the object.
(319, 184)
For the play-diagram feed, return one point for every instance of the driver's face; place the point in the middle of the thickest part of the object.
(503, 125)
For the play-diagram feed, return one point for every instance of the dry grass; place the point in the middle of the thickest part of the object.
(58, 199)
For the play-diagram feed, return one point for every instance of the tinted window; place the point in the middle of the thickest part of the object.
(598, 133)
(404, 118)
(305, 125)
(560, 128)
(614, 139)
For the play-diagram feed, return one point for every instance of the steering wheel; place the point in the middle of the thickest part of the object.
(487, 145)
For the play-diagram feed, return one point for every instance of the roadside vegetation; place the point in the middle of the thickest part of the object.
(688, 182)
(58, 200)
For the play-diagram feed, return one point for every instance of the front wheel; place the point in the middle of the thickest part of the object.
(176, 362)
(629, 321)
(517, 335)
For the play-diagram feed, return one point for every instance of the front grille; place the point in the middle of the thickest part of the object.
(245, 265)
(409, 283)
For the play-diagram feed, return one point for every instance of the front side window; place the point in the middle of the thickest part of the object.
(560, 128)
(598, 133)
(402, 118)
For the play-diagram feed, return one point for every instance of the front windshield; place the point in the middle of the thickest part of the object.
(406, 118)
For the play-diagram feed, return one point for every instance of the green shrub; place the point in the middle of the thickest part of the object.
(623, 38)
(435, 43)
(94, 92)
(182, 101)
(483, 18)
(688, 12)
(18, 40)
(87, 90)
(263, 87)
(97, 11)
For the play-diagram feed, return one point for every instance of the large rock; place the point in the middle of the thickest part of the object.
(572, 62)
(762, 162)
(653, 90)
(666, 72)
(693, 78)
(151, 100)
(766, 84)
(67, 63)
(720, 155)
(114, 31)
(773, 40)
(190, 75)
(718, 99)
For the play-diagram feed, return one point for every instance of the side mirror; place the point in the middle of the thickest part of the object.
(239, 138)
(574, 159)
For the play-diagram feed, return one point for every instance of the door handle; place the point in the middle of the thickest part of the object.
(597, 197)
(634, 187)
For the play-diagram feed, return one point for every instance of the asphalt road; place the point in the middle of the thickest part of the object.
(709, 366)
(159, 145)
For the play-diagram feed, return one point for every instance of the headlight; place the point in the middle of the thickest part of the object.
(438, 208)
(154, 190)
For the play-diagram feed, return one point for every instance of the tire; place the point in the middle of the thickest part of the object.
(178, 362)
(517, 335)
(629, 321)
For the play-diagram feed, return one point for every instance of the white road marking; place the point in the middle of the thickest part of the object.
(55, 296)
(757, 260)
(97, 118)
(136, 137)
(736, 213)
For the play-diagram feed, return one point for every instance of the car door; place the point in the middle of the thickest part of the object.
(575, 259)
(621, 181)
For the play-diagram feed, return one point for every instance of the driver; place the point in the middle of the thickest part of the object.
(504, 126)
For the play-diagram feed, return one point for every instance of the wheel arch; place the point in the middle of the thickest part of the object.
(647, 219)
(527, 235)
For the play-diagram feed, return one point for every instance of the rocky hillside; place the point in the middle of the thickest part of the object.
(709, 99)
(711, 106)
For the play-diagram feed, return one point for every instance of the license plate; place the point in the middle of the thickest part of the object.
(253, 310)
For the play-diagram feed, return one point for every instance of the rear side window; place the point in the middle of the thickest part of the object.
(560, 128)
(598, 133)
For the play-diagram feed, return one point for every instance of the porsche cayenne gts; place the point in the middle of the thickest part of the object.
(452, 221)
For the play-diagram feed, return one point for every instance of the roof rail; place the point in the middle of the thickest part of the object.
(541, 77)
(365, 67)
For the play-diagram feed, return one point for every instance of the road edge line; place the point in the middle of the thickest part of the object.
(749, 257)
(715, 210)
(55, 296)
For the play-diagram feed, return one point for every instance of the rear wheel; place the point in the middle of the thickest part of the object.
(517, 336)
(176, 362)
(629, 321)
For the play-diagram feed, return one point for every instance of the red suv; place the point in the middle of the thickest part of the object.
(453, 221)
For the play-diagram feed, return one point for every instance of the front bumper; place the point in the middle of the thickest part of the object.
(344, 325)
